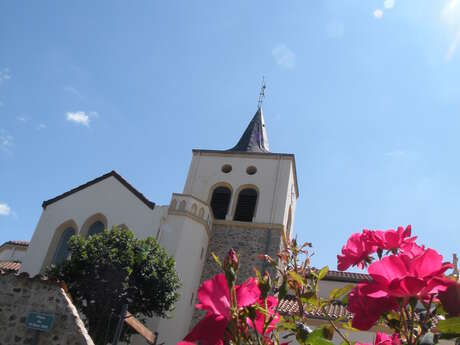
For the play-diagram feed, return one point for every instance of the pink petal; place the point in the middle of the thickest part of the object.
(214, 297)
(427, 264)
(387, 269)
(209, 331)
(247, 293)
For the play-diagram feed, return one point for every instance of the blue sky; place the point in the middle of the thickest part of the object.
(365, 93)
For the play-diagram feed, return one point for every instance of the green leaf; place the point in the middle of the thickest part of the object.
(319, 336)
(216, 259)
(339, 292)
(295, 276)
(323, 272)
(450, 325)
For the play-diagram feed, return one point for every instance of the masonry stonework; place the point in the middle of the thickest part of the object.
(20, 295)
(249, 241)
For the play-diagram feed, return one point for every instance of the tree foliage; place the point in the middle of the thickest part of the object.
(112, 268)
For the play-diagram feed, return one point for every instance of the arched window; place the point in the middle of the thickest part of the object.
(62, 250)
(246, 205)
(220, 201)
(96, 228)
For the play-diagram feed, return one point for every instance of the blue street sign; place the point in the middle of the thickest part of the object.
(40, 321)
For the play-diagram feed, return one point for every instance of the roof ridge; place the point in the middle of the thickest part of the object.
(113, 173)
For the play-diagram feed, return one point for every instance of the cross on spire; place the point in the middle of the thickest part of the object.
(261, 94)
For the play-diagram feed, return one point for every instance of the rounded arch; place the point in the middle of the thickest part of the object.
(219, 199)
(194, 208)
(173, 204)
(58, 240)
(182, 205)
(94, 224)
(245, 203)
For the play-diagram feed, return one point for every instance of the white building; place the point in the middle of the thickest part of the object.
(243, 198)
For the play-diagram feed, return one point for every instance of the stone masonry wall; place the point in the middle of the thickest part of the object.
(249, 242)
(20, 295)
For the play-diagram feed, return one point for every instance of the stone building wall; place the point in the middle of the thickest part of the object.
(249, 240)
(20, 295)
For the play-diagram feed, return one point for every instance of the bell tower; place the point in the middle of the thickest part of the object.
(252, 194)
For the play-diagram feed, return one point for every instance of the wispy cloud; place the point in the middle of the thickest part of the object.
(284, 56)
(5, 210)
(378, 13)
(40, 126)
(81, 117)
(6, 141)
(395, 153)
(73, 91)
(389, 4)
(4, 74)
(450, 15)
(22, 119)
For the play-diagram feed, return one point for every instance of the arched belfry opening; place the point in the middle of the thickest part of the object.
(220, 201)
(246, 205)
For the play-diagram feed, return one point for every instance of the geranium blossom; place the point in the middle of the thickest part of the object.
(384, 339)
(272, 302)
(215, 299)
(367, 310)
(356, 252)
(409, 276)
(390, 239)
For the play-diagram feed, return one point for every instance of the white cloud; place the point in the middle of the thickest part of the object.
(6, 141)
(72, 90)
(22, 119)
(450, 15)
(40, 126)
(389, 4)
(4, 75)
(284, 56)
(5, 210)
(378, 13)
(79, 117)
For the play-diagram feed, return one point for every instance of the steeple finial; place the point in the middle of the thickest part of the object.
(261, 94)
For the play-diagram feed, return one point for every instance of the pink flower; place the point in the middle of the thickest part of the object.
(356, 252)
(391, 239)
(366, 310)
(384, 339)
(272, 302)
(215, 299)
(410, 276)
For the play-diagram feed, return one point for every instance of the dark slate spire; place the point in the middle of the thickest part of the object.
(254, 138)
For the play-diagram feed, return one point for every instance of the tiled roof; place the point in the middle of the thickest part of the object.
(350, 277)
(10, 266)
(17, 243)
(113, 173)
(334, 311)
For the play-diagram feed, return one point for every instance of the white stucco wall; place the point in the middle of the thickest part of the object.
(108, 197)
(274, 180)
(12, 253)
(185, 236)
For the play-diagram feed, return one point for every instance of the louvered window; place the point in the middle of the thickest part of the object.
(246, 205)
(220, 201)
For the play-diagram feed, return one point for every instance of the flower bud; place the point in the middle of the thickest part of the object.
(231, 260)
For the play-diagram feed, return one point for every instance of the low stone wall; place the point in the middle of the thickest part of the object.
(20, 295)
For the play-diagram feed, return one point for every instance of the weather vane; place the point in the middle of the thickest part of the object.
(262, 93)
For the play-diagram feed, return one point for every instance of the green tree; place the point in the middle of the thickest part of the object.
(112, 268)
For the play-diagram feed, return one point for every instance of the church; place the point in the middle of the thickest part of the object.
(244, 197)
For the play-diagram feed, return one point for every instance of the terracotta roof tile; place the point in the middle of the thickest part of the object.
(334, 311)
(351, 277)
(10, 266)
